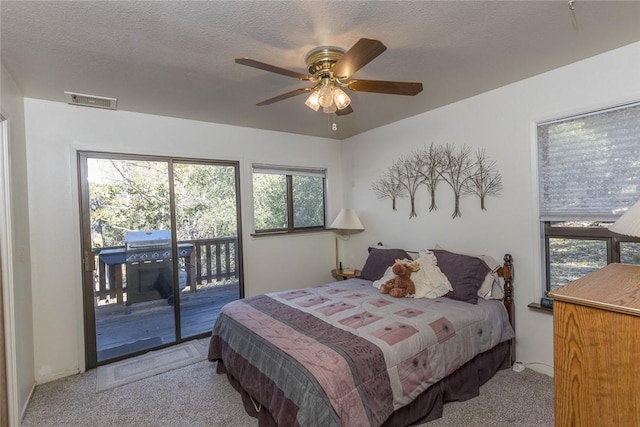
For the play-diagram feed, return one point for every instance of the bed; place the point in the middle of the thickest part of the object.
(343, 354)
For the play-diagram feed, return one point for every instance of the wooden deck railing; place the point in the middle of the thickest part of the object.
(203, 261)
(213, 259)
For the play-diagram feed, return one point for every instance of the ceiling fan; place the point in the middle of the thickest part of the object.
(329, 70)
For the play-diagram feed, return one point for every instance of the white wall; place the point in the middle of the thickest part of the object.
(502, 122)
(55, 131)
(15, 249)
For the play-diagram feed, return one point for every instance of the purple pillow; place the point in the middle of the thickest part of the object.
(379, 260)
(465, 273)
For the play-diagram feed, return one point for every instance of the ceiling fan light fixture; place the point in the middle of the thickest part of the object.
(340, 98)
(329, 70)
(312, 100)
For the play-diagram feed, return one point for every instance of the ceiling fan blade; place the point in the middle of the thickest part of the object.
(360, 54)
(285, 96)
(268, 67)
(346, 110)
(381, 86)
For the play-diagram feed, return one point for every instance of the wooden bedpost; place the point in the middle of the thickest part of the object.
(506, 271)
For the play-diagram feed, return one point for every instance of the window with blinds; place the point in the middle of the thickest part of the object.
(589, 175)
(590, 165)
(288, 199)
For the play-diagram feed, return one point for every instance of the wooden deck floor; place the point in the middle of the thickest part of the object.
(122, 329)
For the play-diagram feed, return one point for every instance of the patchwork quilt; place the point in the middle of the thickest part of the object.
(344, 354)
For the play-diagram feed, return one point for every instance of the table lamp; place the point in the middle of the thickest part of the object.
(629, 223)
(347, 222)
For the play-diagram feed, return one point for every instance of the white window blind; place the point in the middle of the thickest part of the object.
(589, 165)
(288, 170)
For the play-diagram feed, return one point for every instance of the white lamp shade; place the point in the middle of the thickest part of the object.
(629, 223)
(347, 220)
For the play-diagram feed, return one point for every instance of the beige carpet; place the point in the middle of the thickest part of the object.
(150, 364)
(196, 396)
(192, 396)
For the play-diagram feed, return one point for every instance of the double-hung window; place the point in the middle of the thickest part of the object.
(288, 199)
(589, 175)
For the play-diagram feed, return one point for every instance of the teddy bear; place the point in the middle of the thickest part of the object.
(401, 285)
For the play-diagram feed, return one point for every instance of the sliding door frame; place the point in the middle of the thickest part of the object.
(91, 356)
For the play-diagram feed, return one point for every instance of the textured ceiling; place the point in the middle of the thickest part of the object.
(177, 58)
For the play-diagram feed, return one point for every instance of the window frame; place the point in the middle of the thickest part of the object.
(289, 172)
(547, 231)
(612, 239)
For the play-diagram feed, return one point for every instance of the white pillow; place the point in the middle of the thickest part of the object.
(388, 275)
(429, 280)
(497, 288)
(491, 287)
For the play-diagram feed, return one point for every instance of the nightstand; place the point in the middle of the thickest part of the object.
(344, 275)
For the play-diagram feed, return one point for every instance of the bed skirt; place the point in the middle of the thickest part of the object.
(461, 385)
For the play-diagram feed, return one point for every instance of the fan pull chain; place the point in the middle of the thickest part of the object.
(331, 125)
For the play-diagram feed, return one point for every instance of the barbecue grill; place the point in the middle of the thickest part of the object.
(149, 266)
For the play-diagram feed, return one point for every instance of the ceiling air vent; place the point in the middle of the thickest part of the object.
(91, 100)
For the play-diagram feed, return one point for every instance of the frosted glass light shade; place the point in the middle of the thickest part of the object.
(341, 99)
(330, 109)
(629, 223)
(325, 97)
(312, 101)
(347, 220)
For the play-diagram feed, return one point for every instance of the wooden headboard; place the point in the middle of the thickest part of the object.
(506, 272)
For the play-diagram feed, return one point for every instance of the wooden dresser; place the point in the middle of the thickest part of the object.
(596, 333)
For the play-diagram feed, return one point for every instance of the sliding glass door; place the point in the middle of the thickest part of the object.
(161, 250)
(207, 231)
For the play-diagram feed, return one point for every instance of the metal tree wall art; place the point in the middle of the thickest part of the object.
(408, 169)
(388, 186)
(484, 179)
(431, 160)
(428, 166)
(455, 171)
